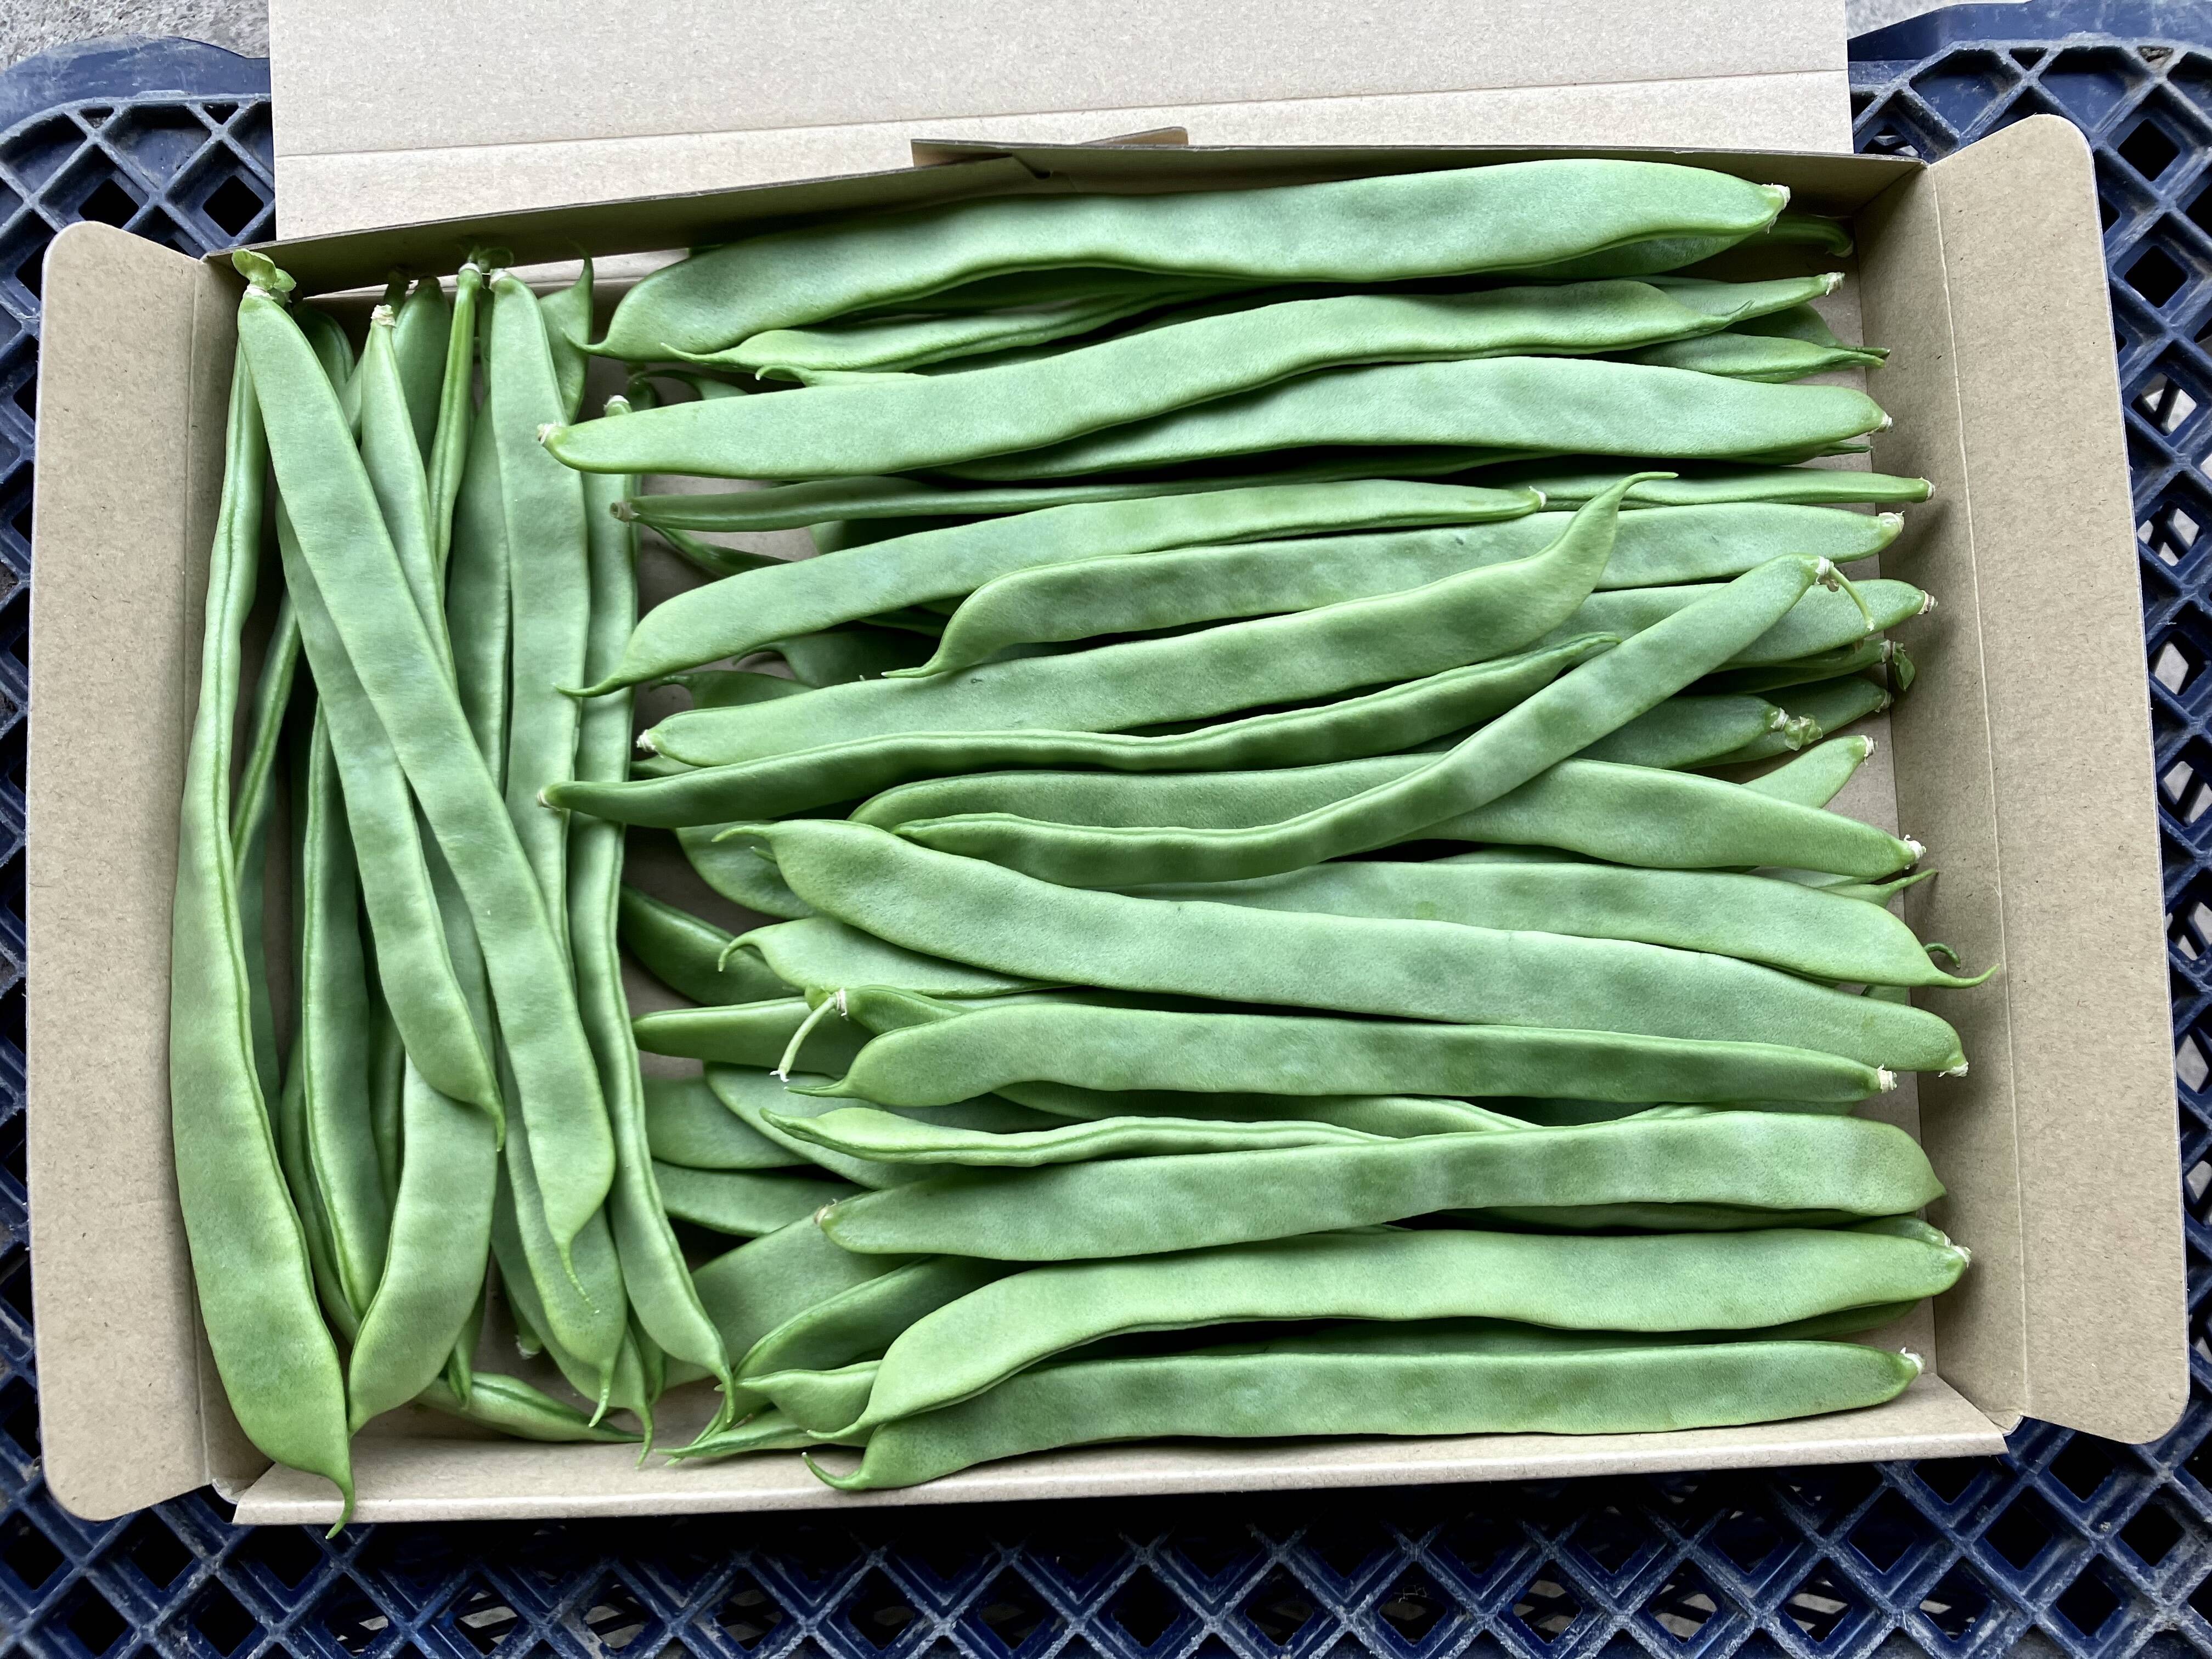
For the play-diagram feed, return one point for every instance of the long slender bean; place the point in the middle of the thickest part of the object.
(751, 1289)
(1393, 717)
(746, 612)
(888, 1136)
(1704, 1282)
(1822, 621)
(1566, 716)
(513, 1407)
(1702, 731)
(279, 1367)
(819, 954)
(343, 553)
(1532, 1041)
(1127, 594)
(687, 954)
(971, 911)
(1492, 1380)
(249, 831)
(749, 1034)
(1805, 930)
(424, 324)
(905, 423)
(653, 1274)
(1501, 406)
(1632, 217)
(1774, 1162)
(1481, 614)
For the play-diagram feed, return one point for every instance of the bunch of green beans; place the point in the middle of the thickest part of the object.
(1296, 791)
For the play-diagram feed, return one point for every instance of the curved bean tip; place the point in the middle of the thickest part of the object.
(1886, 701)
(383, 316)
(616, 405)
(1777, 718)
(623, 508)
(1866, 749)
(1917, 851)
(822, 1215)
(1912, 1360)
(1887, 421)
(1831, 281)
(1885, 1080)
(1892, 522)
(547, 429)
(1966, 1256)
(645, 743)
(1927, 604)
(1798, 731)
(1780, 192)
(1959, 1070)
(262, 275)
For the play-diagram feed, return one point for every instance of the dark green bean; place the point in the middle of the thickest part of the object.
(691, 955)
(687, 1123)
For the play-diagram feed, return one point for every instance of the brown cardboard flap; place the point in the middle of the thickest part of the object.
(2049, 794)
(430, 1476)
(135, 356)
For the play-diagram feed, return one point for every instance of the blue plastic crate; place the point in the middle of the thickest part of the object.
(2068, 1545)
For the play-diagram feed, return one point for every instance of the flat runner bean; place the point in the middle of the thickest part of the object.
(1531, 1043)
(746, 1202)
(1693, 1282)
(1775, 1162)
(1566, 716)
(749, 612)
(686, 1123)
(968, 910)
(1497, 1381)
(1131, 593)
(749, 1034)
(890, 1137)
(1627, 218)
(1700, 731)
(1478, 615)
(903, 423)
(1505, 406)
(279, 1367)
(343, 553)
(688, 955)
(1393, 717)
(1822, 621)
(1804, 929)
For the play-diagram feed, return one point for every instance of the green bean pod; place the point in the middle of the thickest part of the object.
(1632, 217)
(689, 956)
(445, 447)
(750, 1290)
(514, 1408)
(568, 316)
(280, 1369)
(1804, 929)
(1534, 1039)
(686, 1123)
(394, 463)
(1566, 715)
(1393, 717)
(249, 831)
(750, 1034)
(1821, 622)
(734, 869)
(1478, 615)
(1084, 598)
(1690, 1282)
(479, 575)
(1873, 651)
(750, 611)
(550, 596)
(837, 655)
(1815, 777)
(818, 954)
(440, 1239)
(904, 424)
(762, 1100)
(743, 1202)
(891, 1137)
(1777, 1163)
(343, 554)
(912, 342)
(333, 1052)
(423, 327)
(766, 1430)
(654, 1278)
(1495, 1381)
(783, 507)
(968, 910)
(861, 1323)
(1745, 355)
(1498, 407)
(1701, 730)
(1623, 814)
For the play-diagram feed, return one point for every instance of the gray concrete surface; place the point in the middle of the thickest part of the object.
(30, 25)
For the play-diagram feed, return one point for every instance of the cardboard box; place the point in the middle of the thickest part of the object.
(2031, 785)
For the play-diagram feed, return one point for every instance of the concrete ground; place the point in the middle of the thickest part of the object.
(32, 26)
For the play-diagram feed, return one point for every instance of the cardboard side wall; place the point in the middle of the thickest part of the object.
(2086, 1045)
(134, 370)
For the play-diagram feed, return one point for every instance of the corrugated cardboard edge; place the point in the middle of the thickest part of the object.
(134, 336)
(424, 1480)
(2087, 1048)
